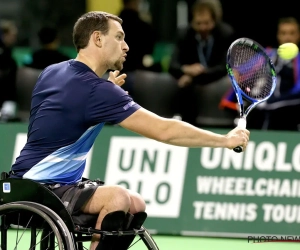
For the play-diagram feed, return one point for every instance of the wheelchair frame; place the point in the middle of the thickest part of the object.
(38, 199)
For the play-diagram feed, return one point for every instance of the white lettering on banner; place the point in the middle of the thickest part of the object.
(21, 139)
(153, 169)
(281, 213)
(296, 158)
(281, 165)
(265, 156)
(224, 211)
(20, 142)
(242, 186)
(208, 161)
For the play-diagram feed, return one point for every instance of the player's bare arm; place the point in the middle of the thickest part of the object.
(179, 133)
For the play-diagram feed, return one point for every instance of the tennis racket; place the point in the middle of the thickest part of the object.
(252, 75)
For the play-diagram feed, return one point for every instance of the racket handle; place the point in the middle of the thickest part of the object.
(241, 124)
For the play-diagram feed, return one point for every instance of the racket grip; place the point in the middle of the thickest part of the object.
(238, 149)
(242, 123)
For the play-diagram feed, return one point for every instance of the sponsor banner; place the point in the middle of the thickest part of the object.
(153, 169)
(197, 191)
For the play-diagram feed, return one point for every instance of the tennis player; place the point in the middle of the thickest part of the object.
(70, 105)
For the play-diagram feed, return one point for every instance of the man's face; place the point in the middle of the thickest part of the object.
(288, 33)
(10, 38)
(115, 47)
(203, 23)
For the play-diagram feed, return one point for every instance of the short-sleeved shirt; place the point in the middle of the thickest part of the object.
(70, 105)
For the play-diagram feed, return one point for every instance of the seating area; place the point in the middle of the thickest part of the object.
(25, 82)
(154, 91)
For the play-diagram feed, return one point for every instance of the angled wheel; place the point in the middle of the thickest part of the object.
(141, 242)
(26, 227)
(144, 241)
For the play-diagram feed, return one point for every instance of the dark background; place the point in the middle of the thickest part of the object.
(254, 19)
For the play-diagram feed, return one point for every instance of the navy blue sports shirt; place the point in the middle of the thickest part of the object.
(70, 105)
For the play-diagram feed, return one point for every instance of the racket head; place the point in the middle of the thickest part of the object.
(252, 73)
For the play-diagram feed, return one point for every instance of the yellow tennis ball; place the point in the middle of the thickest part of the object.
(288, 51)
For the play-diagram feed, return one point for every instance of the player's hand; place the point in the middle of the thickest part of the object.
(116, 78)
(193, 69)
(184, 81)
(238, 137)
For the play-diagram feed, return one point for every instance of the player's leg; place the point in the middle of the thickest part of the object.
(135, 219)
(137, 203)
(108, 199)
(104, 201)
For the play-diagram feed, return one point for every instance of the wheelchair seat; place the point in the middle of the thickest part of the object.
(16, 190)
(35, 192)
(30, 205)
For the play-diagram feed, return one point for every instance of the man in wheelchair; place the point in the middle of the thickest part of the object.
(70, 105)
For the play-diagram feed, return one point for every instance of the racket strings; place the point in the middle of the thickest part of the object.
(252, 71)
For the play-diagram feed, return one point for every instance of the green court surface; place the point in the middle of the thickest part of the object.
(189, 243)
(201, 243)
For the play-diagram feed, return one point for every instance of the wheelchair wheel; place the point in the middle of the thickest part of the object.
(145, 238)
(28, 228)
(141, 242)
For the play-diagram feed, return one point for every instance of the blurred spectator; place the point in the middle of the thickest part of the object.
(49, 53)
(281, 111)
(283, 107)
(199, 57)
(8, 70)
(140, 38)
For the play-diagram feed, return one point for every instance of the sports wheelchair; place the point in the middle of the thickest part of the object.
(33, 217)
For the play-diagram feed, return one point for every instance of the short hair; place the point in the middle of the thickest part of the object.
(47, 35)
(7, 26)
(88, 23)
(291, 20)
(213, 6)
